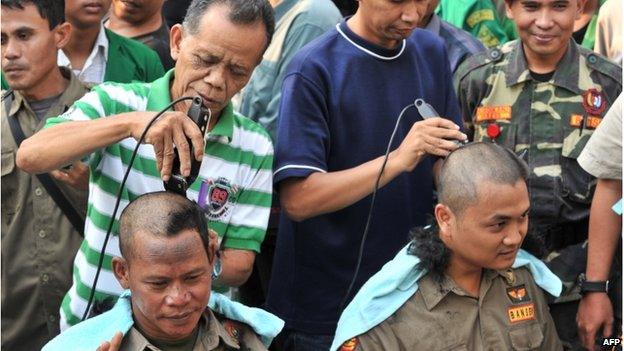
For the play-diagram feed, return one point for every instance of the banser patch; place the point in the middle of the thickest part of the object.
(521, 313)
(349, 345)
(518, 294)
(491, 113)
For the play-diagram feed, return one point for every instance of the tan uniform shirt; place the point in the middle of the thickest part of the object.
(215, 333)
(510, 314)
(38, 241)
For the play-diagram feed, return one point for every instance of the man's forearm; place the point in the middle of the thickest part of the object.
(321, 193)
(236, 266)
(56, 146)
(604, 229)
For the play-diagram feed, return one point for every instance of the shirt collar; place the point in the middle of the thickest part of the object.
(434, 292)
(74, 90)
(282, 8)
(366, 46)
(434, 24)
(566, 74)
(101, 43)
(134, 340)
(210, 336)
(215, 332)
(160, 96)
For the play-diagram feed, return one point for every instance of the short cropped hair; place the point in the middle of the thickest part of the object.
(465, 168)
(160, 214)
(458, 185)
(241, 12)
(51, 10)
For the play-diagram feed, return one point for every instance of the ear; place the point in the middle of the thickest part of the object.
(62, 34)
(175, 40)
(508, 9)
(120, 269)
(446, 219)
(213, 246)
(580, 6)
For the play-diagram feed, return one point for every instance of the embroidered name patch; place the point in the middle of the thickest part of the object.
(521, 313)
(490, 113)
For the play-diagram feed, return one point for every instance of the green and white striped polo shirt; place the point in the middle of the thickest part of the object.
(234, 183)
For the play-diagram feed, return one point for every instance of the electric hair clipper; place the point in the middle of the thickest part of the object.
(178, 183)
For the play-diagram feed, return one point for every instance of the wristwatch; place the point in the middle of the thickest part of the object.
(588, 286)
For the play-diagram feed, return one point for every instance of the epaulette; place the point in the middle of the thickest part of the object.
(479, 60)
(602, 64)
(233, 328)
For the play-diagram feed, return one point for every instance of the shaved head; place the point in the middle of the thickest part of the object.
(160, 214)
(470, 166)
(479, 176)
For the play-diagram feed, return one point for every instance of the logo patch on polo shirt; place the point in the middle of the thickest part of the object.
(492, 113)
(518, 294)
(521, 313)
(216, 197)
(349, 345)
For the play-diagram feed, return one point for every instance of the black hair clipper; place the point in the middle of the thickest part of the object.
(427, 111)
(178, 183)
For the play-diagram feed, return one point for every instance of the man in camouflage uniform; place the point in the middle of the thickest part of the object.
(543, 96)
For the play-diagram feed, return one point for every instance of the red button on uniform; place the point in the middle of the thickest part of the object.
(493, 130)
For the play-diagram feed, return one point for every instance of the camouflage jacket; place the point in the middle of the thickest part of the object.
(548, 123)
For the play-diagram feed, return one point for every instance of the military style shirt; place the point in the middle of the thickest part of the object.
(215, 333)
(510, 313)
(38, 241)
(547, 123)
